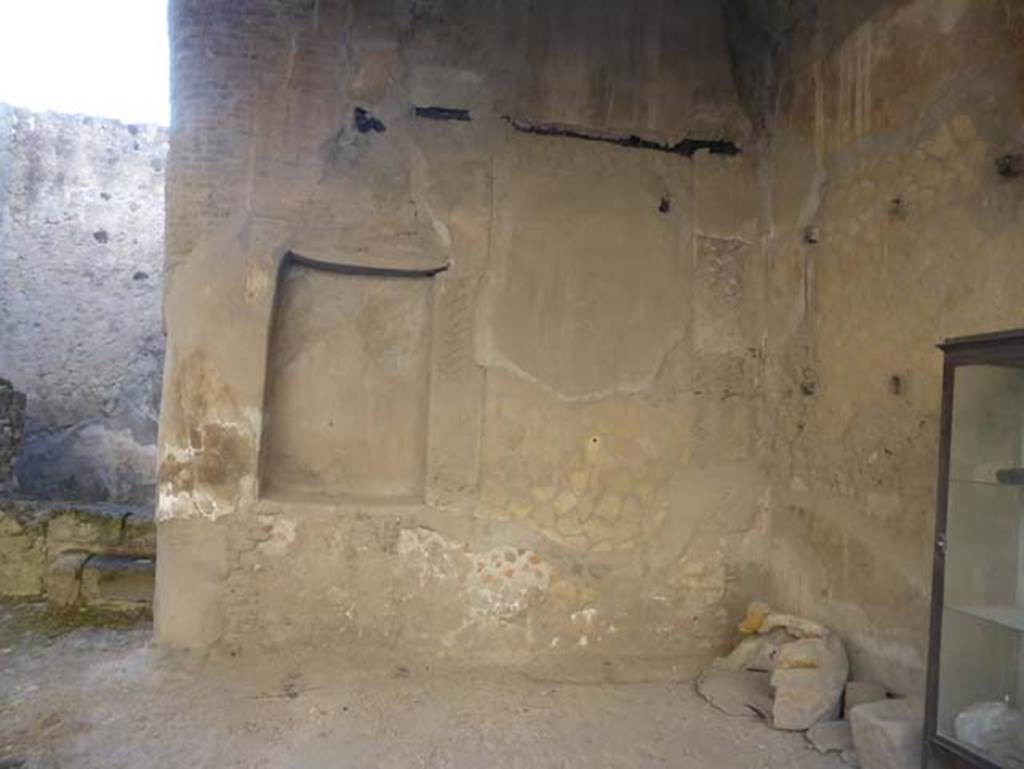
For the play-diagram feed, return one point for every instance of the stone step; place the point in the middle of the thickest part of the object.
(118, 582)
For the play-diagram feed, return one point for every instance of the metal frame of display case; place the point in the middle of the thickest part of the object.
(1003, 347)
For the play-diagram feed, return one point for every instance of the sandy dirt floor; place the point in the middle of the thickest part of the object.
(101, 697)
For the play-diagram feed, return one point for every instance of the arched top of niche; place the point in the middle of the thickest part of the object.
(346, 266)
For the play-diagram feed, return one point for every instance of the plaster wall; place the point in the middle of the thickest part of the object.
(81, 255)
(559, 464)
(648, 388)
(885, 144)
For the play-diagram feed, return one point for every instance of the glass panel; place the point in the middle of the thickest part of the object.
(980, 687)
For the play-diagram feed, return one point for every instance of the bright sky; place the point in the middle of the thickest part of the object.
(96, 57)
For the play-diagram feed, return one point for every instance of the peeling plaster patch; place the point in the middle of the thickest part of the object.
(591, 627)
(702, 580)
(498, 583)
(584, 615)
(257, 284)
(197, 479)
(282, 535)
(207, 470)
(172, 505)
(444, 235)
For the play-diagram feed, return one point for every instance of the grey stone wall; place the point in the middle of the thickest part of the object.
(81, 249)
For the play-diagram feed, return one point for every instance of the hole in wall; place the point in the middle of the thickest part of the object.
(442, 113)
(809, 384)
(1010, 166)
(365, 122)
(898, 207)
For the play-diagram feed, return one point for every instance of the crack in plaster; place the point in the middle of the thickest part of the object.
(490, 357)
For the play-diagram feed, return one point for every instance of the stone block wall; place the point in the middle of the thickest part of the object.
(77, 555)
(81, 258)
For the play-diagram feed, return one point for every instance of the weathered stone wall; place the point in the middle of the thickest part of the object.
(81, 250)
(536, 444)
(885, 146)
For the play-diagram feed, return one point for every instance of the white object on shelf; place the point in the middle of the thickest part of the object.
(994, 728)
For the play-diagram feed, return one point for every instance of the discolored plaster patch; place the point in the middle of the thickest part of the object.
(281, 535)
(212, 468)
(498, 584)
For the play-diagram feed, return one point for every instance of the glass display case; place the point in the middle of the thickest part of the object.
(974, 714)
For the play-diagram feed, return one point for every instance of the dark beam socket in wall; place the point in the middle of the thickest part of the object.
(442, 113)
(686, 147)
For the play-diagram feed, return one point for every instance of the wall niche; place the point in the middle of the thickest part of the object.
(348, 385)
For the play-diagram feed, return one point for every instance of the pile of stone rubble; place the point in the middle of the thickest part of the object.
(794, 673)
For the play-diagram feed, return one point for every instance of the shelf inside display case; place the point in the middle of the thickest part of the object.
(1007, 616)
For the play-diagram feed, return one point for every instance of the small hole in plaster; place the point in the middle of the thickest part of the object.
(809, 385)
(1010, 166)
(665, 205)
(895, 384)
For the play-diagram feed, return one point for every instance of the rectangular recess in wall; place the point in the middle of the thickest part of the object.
(348, 385)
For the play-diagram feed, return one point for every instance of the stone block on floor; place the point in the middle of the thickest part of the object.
(830, 736)
(64, 579)
(809, 682)
(118, 582)
(888, 733)
(859, 692)
(737, 692)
